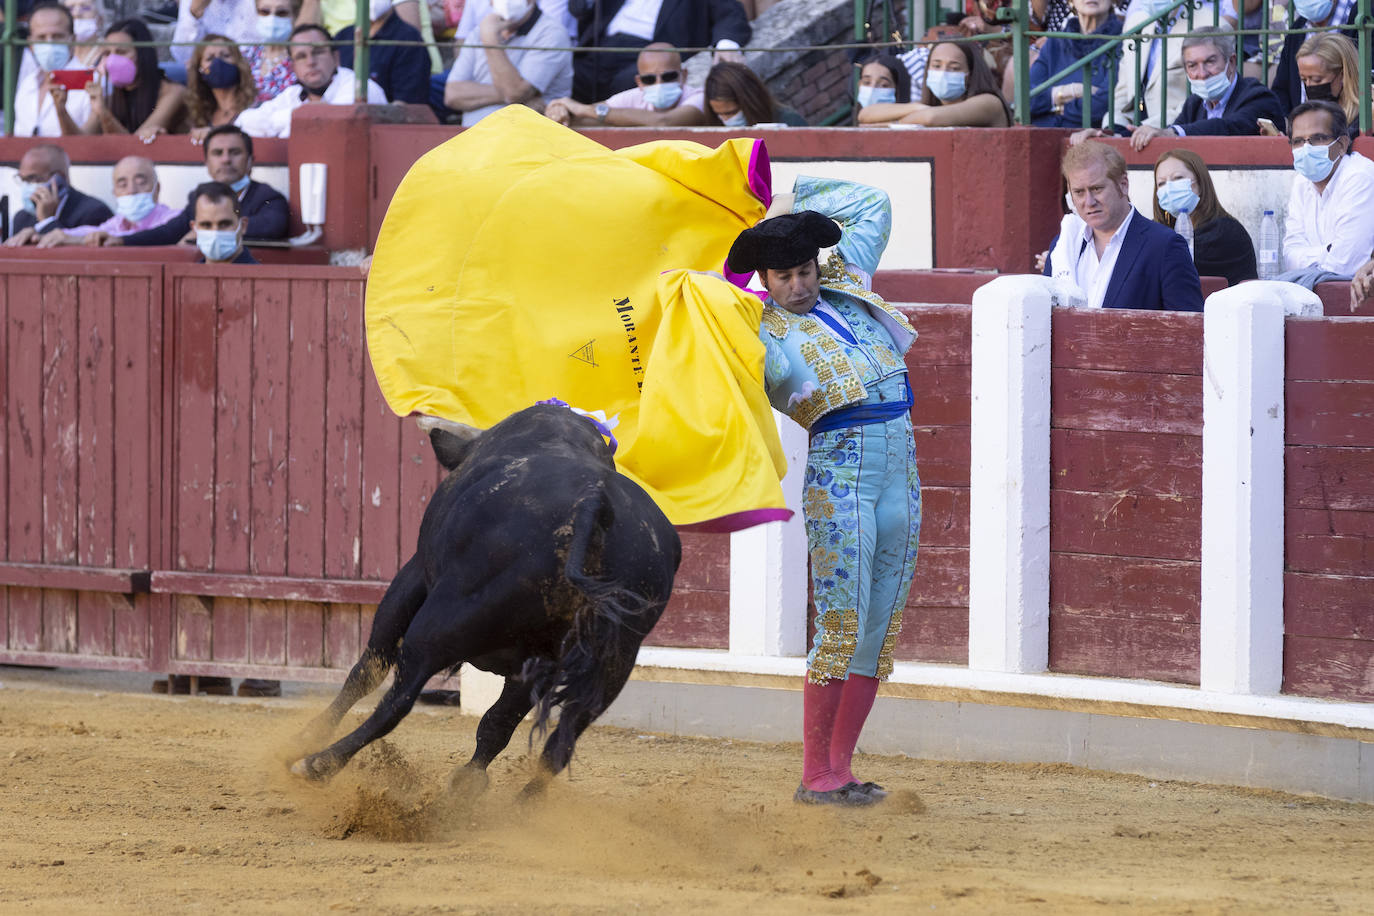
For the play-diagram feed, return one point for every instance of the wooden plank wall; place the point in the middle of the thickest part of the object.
(698, 615)
(1328, 585)
(78, 458)
(1125, 493)
(284, 462)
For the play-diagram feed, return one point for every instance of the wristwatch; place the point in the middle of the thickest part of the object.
(601, 109)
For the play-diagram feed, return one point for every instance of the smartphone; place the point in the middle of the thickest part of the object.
(1266, 123)
(73, 79)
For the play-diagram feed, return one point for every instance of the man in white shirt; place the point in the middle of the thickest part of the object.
(1121, 259)
(659, 98)
(50, 41)
(1329, 231)
(236, 19)
(316, 65)
(510, 69)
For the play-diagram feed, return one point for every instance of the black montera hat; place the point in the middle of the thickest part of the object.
(782, 242)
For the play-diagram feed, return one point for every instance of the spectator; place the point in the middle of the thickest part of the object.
(960, 91)
(511, 69)
(658, 99)
(219, 86)
(1329, 71)
(316, 65)
(237, 19)
(1329, 231)
(136, 191)
(271, 60)
(474, 11)
(88, 24)
(883, 80)
(1062, 104)
(1221, 246)
(137, 98)
(1309, 15)
(50, 202)
(736, 97)
(334, 15)
(1221, 101)
(1145, 98)
(218, 225)
(40, 103)
(402, 70)
(639, 24)
(1114, 256)
(229, 160)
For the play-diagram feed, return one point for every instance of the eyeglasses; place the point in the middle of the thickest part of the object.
(667, 76)
(1314, 140)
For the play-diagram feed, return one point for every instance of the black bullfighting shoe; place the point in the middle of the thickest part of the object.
(849, 795)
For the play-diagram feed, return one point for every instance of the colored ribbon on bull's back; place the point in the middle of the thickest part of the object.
(521, 261)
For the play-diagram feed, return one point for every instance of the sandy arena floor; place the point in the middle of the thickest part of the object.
(117, 801)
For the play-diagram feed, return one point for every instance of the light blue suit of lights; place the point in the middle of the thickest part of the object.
(862, 496)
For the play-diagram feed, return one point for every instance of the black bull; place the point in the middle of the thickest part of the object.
(536, 561)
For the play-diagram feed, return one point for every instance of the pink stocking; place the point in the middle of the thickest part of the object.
(855, 703)
(819, 704)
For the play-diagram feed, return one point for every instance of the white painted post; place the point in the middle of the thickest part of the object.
(1242, 484)
(768, 568)
(1009, 476)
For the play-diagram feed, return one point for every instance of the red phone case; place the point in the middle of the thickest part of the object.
(73, 79)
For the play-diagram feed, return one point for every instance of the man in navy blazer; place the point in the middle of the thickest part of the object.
(680, 23)
(1123, 259)
(54, 203)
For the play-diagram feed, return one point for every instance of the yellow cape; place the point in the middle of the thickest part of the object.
(521, 261)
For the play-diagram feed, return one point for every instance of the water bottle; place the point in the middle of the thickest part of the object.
(1268, 247)
(1184, 227)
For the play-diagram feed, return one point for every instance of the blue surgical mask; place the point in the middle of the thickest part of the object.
(1314, 10)
(274, 29)
(1313, 162)
(221, 74)
(134, 207)
(239, 185)
(217, 244)
(876, 95)
(1212, 88)
(1155, 7)
(26, 190)
(51, 56)
(946, 85)
(663, 95)
(1177, 196)
(738, 119)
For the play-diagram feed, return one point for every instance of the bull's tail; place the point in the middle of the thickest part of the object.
(598, 651)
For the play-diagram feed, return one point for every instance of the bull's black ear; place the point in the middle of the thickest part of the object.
(449, 448)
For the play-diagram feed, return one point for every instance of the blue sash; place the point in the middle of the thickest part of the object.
(865, 413)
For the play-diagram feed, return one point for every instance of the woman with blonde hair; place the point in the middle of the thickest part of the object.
(219, 85)
(1221, 246)
(1329, 66)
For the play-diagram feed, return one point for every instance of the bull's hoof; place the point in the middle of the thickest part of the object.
(468, 782)
(316, 768)
(534, 791)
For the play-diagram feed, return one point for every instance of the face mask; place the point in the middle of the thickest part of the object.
(1177, 196)
(1155, 7)
(51, 56)
(1212, 88)
(510, 10)
(274, 29)
(239, 185)
(738, 119)
(134, 207)
(378, 8)
(876, 95)
(221, 74)
(945, 85)
(217, 244)
(1313, 162)
(1313, 10)
(26, 190)
(120, 70)
(662, 95)
(1321, 92)
(85, 29)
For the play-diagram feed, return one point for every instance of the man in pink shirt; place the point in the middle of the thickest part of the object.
(659, 98)
(136, 205)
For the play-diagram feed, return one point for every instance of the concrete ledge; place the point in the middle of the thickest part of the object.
(1241, 752)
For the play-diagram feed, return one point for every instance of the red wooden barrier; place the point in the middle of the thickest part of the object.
(1125, 493)
(79, 462)
(1329, 508)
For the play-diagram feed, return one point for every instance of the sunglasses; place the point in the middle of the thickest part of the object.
(667, 76)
